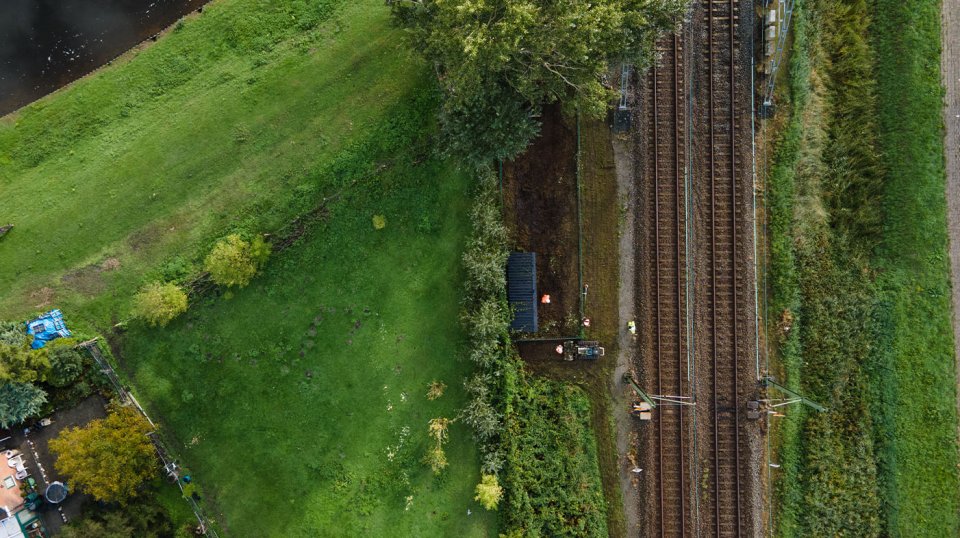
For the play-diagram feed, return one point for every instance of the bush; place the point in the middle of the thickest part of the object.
(158, 303)
(66, 364)
(234, 261)
(20, 364)
(552, 484)
(12, 333)
(489, 492)
(19, 401)
(143, 520)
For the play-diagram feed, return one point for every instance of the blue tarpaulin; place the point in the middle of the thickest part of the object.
(47, 327)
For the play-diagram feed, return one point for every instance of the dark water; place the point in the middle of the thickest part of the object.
(45, 44)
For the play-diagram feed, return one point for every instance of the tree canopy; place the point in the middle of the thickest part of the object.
(158, 303)
(234, 261)
(142, 519)
(108, 458)
(18, 401)
(498, 61)
(21, 364)
(66, 363)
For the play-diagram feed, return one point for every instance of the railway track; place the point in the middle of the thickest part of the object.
(698, 453)
(725, 283)
(667, 135)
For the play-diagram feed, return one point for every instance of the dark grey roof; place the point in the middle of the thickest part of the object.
(522, 290)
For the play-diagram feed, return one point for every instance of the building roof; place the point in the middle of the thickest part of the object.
(522, 290)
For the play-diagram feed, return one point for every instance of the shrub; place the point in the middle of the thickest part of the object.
(379, 222)
(435, 390)
(66, 364)
(158, 303)
(234, 261)
(12, 333)
(489, 492)
(20, 364)
(436, 458)
(143, 520)
(18, 401)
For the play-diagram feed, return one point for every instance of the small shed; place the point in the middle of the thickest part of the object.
(522, 290)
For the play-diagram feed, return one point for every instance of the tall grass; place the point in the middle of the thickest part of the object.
(858, 262)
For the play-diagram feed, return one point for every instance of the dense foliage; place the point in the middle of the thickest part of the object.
(19, 401)
(108, 458)
(489, 492)
(66, 363)
(158, 303)
(552, 481)
(871, 345)
(140, 519)
(12, 333)
(234, 261)
(21, 364)
(534, 434)
(499, 61)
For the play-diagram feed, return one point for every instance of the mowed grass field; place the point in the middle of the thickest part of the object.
(299, 403)
(215, 128)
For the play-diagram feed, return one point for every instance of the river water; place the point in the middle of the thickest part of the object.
(46, 44)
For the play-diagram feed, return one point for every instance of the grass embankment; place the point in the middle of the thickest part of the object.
(300, 404)
(859, 277)
(215, 128)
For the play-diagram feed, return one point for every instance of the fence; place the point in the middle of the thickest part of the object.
(169, 463)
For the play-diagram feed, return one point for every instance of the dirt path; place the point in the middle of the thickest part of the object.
(950, 69)
(623, 158)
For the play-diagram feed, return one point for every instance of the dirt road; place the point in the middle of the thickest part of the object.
(950, 69)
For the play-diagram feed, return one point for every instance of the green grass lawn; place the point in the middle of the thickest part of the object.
(921, 463)
(217, 127)
(372, 317)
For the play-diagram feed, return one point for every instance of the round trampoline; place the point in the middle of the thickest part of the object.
(56, 492)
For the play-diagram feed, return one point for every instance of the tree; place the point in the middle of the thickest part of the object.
(141, 519)
(234, 261)
(489, 492)
(498, 61)
(19, 401)
(158, 303)
(12, 333)
(21, 364)
(66, 363)
(108, 458)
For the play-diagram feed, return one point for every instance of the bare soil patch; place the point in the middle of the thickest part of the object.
(950, 70)
(86, 280)
(540, 201)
